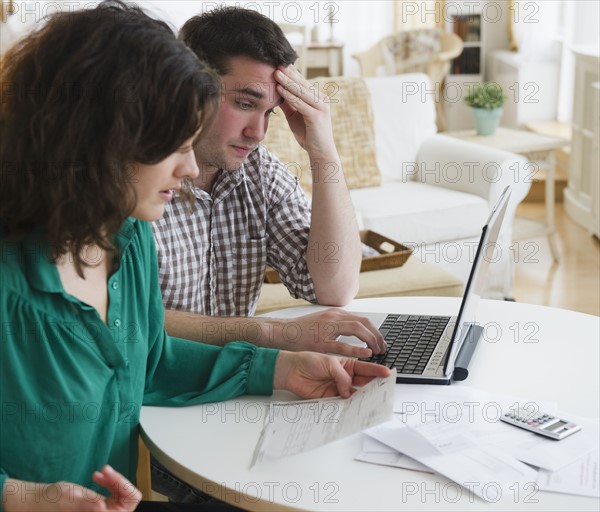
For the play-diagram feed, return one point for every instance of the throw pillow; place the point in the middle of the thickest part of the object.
(412, 50)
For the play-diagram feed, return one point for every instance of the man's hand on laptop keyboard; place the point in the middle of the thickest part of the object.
(319, 332)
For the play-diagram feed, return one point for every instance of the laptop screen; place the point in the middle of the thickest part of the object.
(487, 252)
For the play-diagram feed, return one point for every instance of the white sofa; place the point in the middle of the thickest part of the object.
(436, 191)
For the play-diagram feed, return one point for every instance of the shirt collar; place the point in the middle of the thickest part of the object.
(41, 271)
(123, 238)
(226, 182)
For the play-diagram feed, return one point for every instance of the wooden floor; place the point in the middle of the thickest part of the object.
(572, 283)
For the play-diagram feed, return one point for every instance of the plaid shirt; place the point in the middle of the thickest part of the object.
(212, 260)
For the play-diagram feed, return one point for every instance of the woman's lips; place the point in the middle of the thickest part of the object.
(166, 195)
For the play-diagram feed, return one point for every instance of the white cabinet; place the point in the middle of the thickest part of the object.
(531, 87)
(325, 59)
(467, 21)
(595, 220)
(581, 194)
(483, 26)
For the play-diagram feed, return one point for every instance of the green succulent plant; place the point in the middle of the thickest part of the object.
(487, 95)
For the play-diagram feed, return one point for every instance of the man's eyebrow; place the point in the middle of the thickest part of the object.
(249, 91)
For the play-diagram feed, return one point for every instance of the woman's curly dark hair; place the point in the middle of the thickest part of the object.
(82, 99)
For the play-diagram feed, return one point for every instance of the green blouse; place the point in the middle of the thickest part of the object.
(72, 386)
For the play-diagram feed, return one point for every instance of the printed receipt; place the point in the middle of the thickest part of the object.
(296, 427)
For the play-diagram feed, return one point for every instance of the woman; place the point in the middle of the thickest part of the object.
(99, 112)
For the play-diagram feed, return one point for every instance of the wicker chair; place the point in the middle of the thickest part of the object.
(428, 51)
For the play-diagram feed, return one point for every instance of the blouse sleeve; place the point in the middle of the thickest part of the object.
(183, 372)
(3, 478)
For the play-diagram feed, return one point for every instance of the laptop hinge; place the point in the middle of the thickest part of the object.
(465, 354)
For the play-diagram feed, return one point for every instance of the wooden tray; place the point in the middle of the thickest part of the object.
(392, 254)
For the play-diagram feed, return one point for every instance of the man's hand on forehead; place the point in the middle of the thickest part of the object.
(306, 109)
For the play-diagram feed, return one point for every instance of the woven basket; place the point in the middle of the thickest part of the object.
(392, 254)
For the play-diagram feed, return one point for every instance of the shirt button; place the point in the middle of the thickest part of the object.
(117, 322)
(115, 285)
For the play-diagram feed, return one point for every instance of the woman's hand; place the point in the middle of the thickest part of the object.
(124, 495)
(21, 496)
(312, 375)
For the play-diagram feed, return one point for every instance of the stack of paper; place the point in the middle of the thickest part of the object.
(451, 430)
(456, 432)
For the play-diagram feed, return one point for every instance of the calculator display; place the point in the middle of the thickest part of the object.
(555, 426)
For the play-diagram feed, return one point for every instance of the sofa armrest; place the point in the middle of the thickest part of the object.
(467, 167)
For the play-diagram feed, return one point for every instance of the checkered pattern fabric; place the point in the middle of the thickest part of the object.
(212, 260)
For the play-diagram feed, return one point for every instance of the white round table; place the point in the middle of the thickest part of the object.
(528, 351)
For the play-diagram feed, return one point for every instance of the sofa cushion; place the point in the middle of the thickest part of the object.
(418, 213)
(352, 130)
(404, 117)
(413, 278)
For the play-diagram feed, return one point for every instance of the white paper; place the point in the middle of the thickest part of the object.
(458, 403)
(580, 477)
(477, 413)
(296, 427)
(550, 454)
(476, 468)
(381, 454)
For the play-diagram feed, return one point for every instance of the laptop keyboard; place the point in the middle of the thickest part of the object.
(411, 340)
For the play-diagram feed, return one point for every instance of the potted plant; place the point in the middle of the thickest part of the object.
(486, 99)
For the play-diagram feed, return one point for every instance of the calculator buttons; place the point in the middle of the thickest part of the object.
(540, 423)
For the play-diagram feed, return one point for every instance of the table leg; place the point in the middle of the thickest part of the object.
(144, 481)
(549, 199)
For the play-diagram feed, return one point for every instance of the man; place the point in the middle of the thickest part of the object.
(251, 212)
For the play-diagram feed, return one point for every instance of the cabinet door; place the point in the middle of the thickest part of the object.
(595, 164)
(581, 196)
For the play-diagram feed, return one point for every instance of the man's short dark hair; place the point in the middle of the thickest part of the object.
(218, 35)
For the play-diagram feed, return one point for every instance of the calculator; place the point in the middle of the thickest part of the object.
(544, 424)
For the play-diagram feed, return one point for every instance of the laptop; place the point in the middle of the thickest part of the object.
(438, 349)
